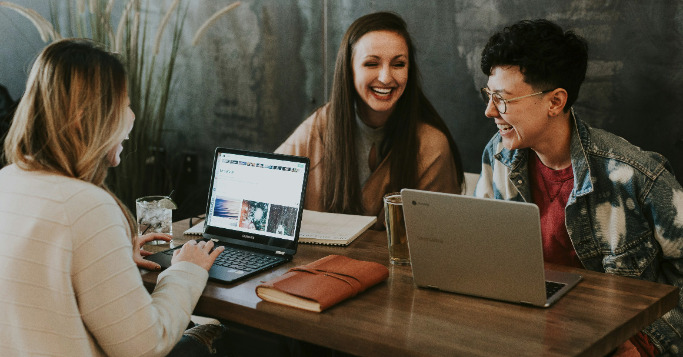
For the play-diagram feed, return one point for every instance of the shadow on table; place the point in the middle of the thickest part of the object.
(248, 341)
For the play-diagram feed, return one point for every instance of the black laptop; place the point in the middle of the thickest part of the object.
(254, 210)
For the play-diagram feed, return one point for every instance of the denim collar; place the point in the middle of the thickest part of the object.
(580, 140)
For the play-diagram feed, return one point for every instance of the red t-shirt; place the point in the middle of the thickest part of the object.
(550, 190)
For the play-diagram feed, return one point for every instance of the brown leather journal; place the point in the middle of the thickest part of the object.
(323, 283)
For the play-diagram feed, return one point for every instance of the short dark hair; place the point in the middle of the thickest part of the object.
(547, 56)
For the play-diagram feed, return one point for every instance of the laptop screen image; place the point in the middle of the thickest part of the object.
(256, 198)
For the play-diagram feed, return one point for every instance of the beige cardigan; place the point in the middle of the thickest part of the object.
(68, 283)
(436, 167)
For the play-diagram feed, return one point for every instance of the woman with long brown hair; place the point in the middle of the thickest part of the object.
(378, 133)
(69, 284)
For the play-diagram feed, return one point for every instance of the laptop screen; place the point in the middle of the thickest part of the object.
(256, 198)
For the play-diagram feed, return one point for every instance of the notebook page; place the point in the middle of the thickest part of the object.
(334, 227)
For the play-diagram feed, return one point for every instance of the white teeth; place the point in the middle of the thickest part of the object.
(504, 127)
(383, 91)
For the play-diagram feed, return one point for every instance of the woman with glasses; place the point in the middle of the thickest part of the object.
(378, 133)
(605, 205)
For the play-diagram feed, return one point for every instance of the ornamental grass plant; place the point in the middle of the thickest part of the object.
(148, 39)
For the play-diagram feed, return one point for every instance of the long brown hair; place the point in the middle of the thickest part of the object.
(71, 115)
(342, 191)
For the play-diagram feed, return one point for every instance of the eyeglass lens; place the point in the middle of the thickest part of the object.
(497, 100)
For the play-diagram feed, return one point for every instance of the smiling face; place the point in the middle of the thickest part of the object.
(526, 123)
(380, 73)
(114, 155)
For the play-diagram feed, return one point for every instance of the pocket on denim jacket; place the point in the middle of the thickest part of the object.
(634, 260)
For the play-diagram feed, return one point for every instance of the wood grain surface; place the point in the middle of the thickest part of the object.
(396, 318)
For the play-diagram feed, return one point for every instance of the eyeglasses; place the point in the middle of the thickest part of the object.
(502, 103)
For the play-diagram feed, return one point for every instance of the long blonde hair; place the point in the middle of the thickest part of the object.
(72, 114)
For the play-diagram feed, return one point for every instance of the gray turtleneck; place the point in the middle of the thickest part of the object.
(366, 138)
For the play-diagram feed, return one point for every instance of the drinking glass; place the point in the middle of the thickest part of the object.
(154, 215)
(396, 229)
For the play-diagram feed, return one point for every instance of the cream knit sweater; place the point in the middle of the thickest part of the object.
(68, 283)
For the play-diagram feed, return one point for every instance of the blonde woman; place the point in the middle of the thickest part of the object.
(69, 284)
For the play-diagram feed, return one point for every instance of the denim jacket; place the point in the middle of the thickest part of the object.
(624, 215)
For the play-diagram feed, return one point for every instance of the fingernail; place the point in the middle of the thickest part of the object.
(158, 267)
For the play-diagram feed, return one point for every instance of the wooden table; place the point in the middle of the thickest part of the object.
(395, 318)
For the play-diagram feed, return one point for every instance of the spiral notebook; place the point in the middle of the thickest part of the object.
(322, 227)
(332, 228)
(196, 230)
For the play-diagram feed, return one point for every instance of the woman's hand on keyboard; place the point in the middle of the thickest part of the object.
(139, 252)
(199, 253)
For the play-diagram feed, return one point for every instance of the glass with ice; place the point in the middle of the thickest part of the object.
(154, 215)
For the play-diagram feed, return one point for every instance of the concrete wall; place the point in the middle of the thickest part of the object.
(262, 69)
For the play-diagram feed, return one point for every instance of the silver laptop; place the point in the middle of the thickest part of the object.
(482, 247)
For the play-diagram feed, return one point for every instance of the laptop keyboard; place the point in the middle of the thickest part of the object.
(242, 261)
(552, 287)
